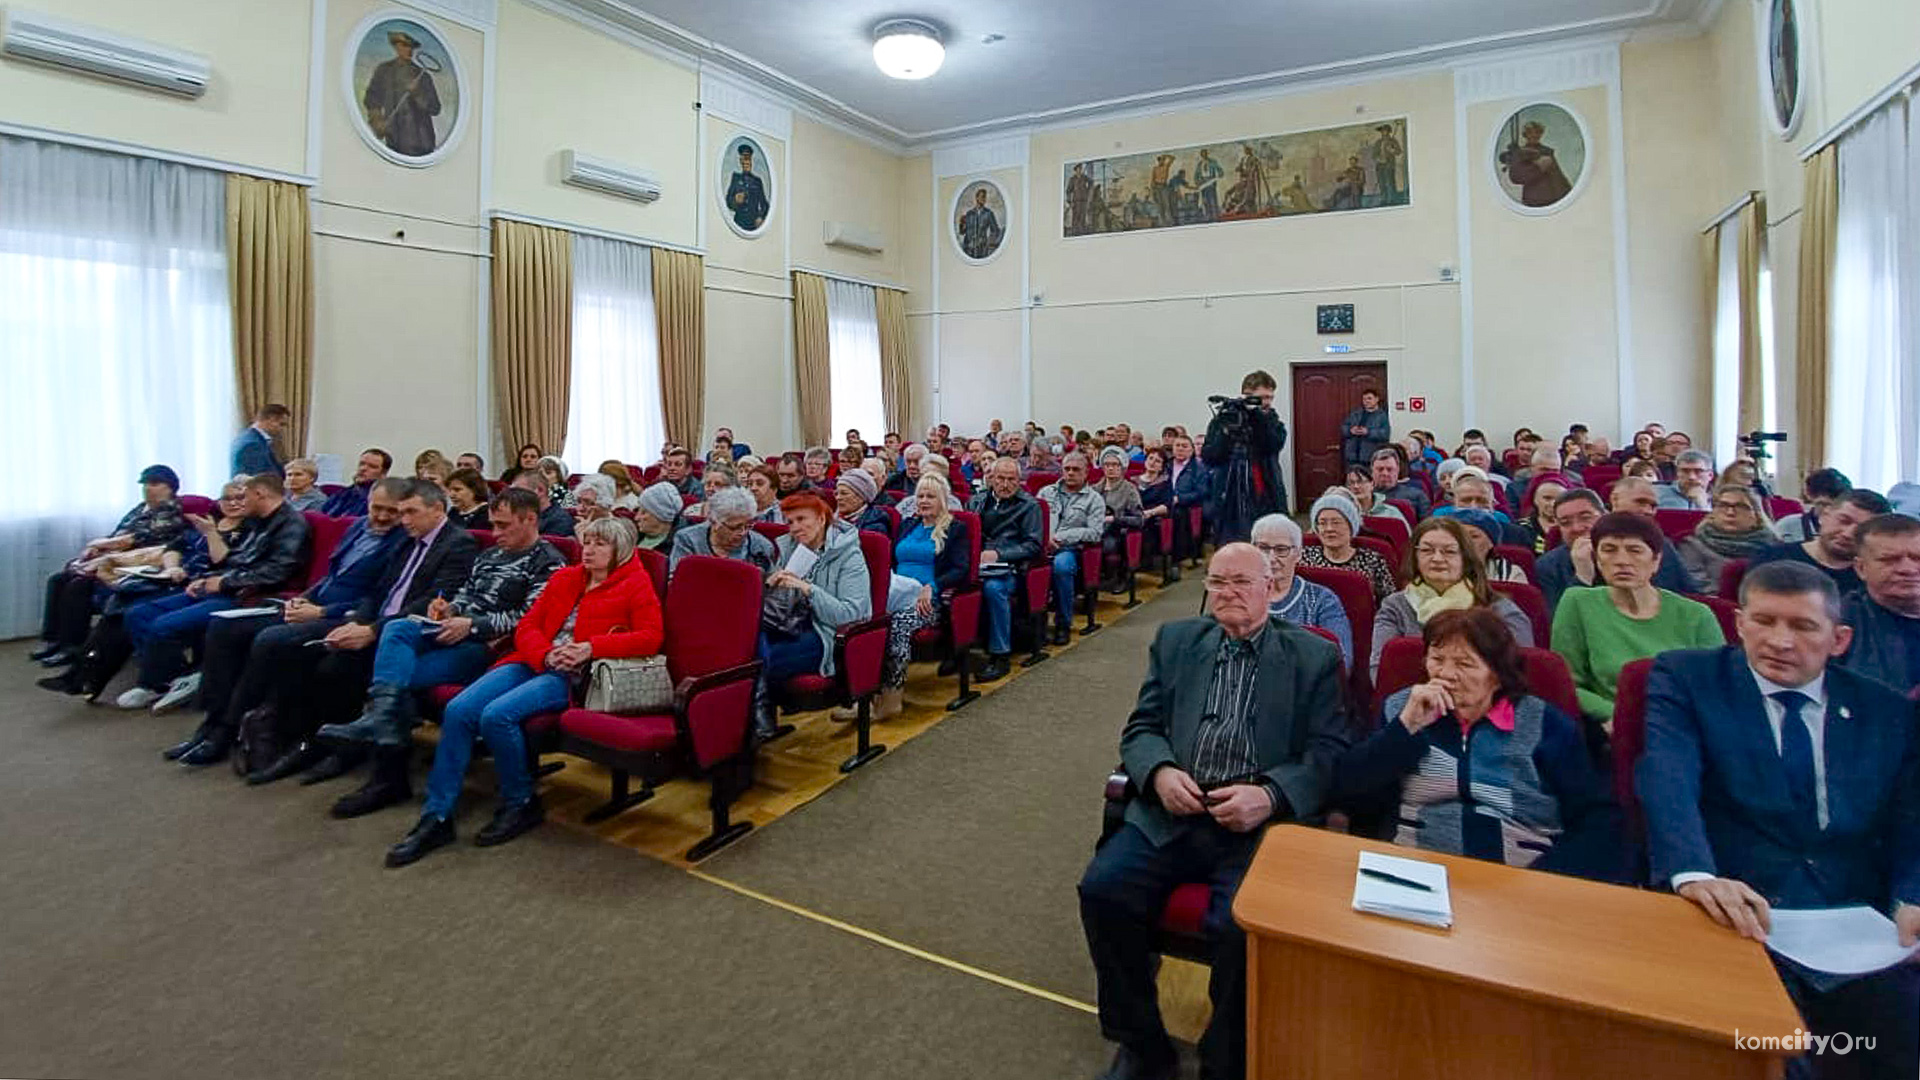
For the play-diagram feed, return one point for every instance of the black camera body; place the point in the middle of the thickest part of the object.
(1756, 443)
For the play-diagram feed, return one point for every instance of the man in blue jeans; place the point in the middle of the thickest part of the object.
(1010, 536)
(1077, 514)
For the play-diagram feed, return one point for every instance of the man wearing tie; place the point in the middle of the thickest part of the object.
(1772, 778)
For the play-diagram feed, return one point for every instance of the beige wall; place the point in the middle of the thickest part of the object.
(1863, 46)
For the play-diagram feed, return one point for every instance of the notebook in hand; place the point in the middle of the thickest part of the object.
(1402, 889)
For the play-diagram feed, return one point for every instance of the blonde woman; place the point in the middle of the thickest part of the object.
(301, 489)
(432, 465)
(931, 555)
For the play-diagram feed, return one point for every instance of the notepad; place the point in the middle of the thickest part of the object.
(1839, 941)
(141, 571)
(801, 560)
(1376, 897)
(246, 612)
(426, 623)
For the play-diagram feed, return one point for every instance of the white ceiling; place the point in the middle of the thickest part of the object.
(1062, 59)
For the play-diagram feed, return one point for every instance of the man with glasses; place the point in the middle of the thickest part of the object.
(1293, 598)
(1237, 725)
(726, 534)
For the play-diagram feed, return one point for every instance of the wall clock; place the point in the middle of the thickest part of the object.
(1335, 318)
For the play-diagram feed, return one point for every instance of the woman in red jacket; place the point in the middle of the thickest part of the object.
(602, 609)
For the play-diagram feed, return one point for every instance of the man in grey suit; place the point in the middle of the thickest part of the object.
(1237, 725)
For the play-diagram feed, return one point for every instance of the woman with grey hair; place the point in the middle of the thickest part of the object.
(659, 516)
(1294, 598)
(815, 466)
(593, 497)
(302, 492)
(717, 476)
(728, 533)
(1125, 511)
(1736, 527)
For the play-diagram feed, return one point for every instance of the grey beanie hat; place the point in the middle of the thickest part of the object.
(662, 500)
(861, 481)
(1337, 499)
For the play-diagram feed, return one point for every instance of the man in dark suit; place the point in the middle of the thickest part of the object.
(1237, 725)
(253, 447)
(1773, 778)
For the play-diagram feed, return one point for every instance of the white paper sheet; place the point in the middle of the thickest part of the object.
(1376, 897)
(1838, 941)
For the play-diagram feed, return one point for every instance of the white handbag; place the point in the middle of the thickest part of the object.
(628, 687)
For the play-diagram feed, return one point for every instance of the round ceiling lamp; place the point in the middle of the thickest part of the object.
(907, 48)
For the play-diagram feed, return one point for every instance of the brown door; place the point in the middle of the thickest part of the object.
(1323, 395)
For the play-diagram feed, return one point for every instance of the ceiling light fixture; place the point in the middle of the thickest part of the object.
(907, 48)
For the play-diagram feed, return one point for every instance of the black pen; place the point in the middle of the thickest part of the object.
(1392, 879)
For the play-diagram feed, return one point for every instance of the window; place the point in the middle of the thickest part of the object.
(1743, 386)
(1873, 422)
(119, 347)
(613, 401)
(1726, 339)
(853, 359)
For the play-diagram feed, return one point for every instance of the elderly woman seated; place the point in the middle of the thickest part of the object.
(727, 533)
(602, 609)
(815, 467)
(855, 501)
(819, 585)
(156, 522)
(554, 472)
(1294, 598)
(1469, 763)
(593, 497)
(1735, 528)
(1336, 521)
(1125, 510)
(1367, 499)
(718, 475)
(659, 515)
(468, 499)
(1443, 575)
(302, 491)
(762, 481)
(1600, 630)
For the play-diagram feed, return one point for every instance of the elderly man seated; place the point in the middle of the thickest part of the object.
(1010, 538)
(1294, 598)
(1389, 482)
(1692, 487)
(902, 484)
(1078, 515)
(1238, 724)
(1885, 613)
(726, 534)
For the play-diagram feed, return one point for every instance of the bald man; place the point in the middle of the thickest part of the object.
(1237, 725)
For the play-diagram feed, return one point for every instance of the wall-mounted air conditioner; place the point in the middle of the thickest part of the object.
(841, 234)
(29, 35)
(580, 170)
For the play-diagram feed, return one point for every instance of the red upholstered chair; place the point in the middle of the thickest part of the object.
(1533, 603)
(1405, 507)
(494, 487)
(1779, 506)
(1038, 480)
(649, 475)
(1183, 919)
(1356, 597)
(712, 624)
(1038, 580)
(1731, 573)
(1604, 489)
(573, 480)
(330, 490)
(638, 474)
(1629, 738)
(959, 625)
(1521, 557)
(1394, 531)
(859, 650)
(1163, 536)
(655, 565)
(483, 537)
(1678, 524)
(1196, 533)
(1515, 460)
(1403, 663)
(1595, 475)
(199, 504)
(1132, 548)
(772, 530)
(1091, 560)
(1726, 611)
(326, 535)
(569, 548)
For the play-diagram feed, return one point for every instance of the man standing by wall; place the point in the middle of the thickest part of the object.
(1365, 430)
(253, 447)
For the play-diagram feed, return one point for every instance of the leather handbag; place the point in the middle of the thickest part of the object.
(627, 687)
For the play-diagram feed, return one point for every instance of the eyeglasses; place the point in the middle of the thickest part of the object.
(1282, 550)
(1219, 584)
(1427, 552)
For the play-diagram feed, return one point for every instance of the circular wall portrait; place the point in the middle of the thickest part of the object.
(406, 91)
(747, 189)
(1782, 65)
(979, 220)
(1540, 157)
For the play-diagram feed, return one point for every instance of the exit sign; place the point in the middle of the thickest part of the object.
(1416, 404)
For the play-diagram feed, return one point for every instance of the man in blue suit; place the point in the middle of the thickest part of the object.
(253, 447)
(1772, 778)
(1191, 482)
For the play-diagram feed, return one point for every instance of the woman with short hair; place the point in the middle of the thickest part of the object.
(763, 483)
(433, 466)
(1443, 574)
(467, 498)
(554, 471)
(302, 491)
(1468, 762)
(1125, 510)
(1336, 521)
(593, 497)
(829, 584)
(1735, 528)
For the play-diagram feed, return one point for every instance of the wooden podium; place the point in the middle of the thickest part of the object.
(1541, 976)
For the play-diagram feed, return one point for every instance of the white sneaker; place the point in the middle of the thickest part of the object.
(179, 692)
(137, 698)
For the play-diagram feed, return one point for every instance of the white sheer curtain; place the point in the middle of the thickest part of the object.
(853, 359)
(613, 406)
(1726, 339)
(1873, 426)
(116, 344)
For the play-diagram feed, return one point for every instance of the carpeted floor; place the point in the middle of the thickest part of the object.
(165, 923)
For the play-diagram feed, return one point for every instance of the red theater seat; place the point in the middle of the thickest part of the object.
(859, 652)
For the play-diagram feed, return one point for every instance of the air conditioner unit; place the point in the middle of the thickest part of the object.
(29, 35)
(600, 174)
(840, 234)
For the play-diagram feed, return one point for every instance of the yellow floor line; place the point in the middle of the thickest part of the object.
(900, 946)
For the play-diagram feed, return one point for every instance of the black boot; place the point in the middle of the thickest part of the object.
(299, 758)
(387, 719)
(429, 833)
(67, 682)
(209, 751)
(996, 667)
(510, 821)
(46, 649)
(387, 787)
(59, 658)
(333, 764)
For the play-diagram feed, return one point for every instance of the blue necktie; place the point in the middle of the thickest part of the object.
(1796, 753)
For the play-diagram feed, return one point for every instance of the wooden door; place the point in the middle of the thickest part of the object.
(1323, 394)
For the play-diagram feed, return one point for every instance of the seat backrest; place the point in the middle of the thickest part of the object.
(495, 487)
(1779, 506)
(1549, 678)
(1403, 662)
(1629, 737)
(656, 566)
(1521, 557)
(1532, 603)
(972, 521)
(1395, 561)
(1515, 459)
(1355, 594)
(483, 537)
(1731, 573)
(569, 548)
(638, 474)
(1405, 507)
(330, 490)
(1678, 524)
(199, 504)
(1392, 530)
(893, 518)
(712, 615)
(878, 551)
(1595, 475)
(1038, 480)
(772, 530)
(1726, 611)
(326, 533)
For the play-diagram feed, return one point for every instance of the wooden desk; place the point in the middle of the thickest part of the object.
(1540, 976)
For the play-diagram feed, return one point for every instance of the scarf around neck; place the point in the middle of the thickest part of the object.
(1731, 544)
(1427, 603)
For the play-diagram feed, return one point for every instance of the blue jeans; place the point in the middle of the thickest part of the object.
(409, 659)
(493, 708)
(162, 629)
(782, 657)
(997, 599)
(1066, 581)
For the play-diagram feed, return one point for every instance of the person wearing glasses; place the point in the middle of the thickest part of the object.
(727, 533)
(1444, 575)
(1237, 725)
(1299, 601)
(1736, 528)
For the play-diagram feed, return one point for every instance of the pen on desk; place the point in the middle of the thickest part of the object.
(1393, 879)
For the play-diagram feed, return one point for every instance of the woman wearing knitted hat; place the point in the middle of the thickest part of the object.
(1336, 521)
(659, 516)
(854, 495)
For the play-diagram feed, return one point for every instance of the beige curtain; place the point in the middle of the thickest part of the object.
(812, 374)
(896, 358)
(680, 311)
(532, 332)
(1752, 223)
(1819, 211)
(270, 281)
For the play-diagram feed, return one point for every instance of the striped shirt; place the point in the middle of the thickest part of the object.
(1223, 750)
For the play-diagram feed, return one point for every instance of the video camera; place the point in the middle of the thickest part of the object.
(1239, 409)
(1756, 443)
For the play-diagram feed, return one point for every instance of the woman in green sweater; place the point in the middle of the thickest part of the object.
(1602, 629)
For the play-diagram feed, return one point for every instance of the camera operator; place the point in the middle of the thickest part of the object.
(1242, 450)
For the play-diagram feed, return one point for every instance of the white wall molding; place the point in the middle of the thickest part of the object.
(739, 103)
(478, 14)
(980, 155)
(1533, 71)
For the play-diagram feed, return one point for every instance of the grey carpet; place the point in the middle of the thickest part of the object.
(159, 923)
(968, 841)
